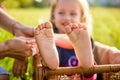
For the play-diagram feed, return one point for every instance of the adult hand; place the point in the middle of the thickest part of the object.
(20, 67)
(19, 47)
(23, 30)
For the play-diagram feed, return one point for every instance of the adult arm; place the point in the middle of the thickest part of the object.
(15, 48)
(105, 54)
(8, 23)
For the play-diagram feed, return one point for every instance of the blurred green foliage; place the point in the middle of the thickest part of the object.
(24, 3)
(47, 3)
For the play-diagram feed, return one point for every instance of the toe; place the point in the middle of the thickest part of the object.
(42, 25)
(74, 26)
(68, 29)
(48, 25)
(36, 31)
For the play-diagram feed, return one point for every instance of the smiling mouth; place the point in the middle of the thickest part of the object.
(65, 23)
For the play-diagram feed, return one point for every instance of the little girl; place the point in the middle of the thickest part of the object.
(70, 17)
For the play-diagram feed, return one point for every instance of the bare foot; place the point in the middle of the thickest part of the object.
(79, 36)
(45, 40)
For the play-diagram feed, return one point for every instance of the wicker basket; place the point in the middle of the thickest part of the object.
(110, 72)
(111, 76)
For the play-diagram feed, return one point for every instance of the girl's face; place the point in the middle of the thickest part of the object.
(67, 11)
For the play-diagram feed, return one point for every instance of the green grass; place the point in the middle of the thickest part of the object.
(106, 23)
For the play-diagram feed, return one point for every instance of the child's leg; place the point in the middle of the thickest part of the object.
(45, 40)
(80, 39)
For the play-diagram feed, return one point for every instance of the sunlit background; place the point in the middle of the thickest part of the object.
(105, 15)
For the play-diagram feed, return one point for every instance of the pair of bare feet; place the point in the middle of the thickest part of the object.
(77, 34)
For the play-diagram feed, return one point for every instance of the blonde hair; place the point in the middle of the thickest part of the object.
(86, 17)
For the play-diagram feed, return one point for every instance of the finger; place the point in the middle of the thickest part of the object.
(24, 69)
(15, 68)
(32, 52)
(30, 41)
(29, 46)
(36, 31)
(18, 69)
(68, 29)
(84, 27)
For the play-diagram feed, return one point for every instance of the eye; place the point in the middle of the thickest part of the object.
(73, 14)
(60, 13)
